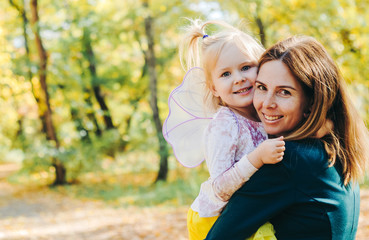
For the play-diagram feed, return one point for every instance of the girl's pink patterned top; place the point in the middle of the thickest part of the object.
(228, 138)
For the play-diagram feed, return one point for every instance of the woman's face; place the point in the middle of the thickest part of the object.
(279, 99)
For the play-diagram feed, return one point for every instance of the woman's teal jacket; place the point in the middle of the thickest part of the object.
(301, 196)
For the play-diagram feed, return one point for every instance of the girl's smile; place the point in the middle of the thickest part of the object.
(233, 78)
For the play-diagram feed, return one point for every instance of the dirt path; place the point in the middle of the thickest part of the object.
(363, 231)
(45, 214)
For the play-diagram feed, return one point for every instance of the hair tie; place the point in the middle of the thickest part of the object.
(205, 36)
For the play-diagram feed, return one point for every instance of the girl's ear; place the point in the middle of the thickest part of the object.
(214, 91)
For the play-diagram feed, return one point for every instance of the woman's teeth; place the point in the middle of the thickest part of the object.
(271, 118)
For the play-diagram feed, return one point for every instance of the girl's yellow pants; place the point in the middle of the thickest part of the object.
(198, 227)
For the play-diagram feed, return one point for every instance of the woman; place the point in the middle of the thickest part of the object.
(313, 193)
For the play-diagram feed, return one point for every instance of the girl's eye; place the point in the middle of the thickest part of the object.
(226, 74)
(245, 68)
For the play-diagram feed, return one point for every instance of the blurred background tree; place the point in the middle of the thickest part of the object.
(98, 73)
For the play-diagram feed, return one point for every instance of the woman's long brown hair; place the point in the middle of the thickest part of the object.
(311, 65)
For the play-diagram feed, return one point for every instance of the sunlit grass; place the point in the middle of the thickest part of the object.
(138, 189)
(118, 186)
(32, 179)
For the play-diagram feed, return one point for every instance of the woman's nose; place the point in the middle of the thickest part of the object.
(269, 101)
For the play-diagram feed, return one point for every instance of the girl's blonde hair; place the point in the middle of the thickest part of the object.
(324, 85)
(198, 49)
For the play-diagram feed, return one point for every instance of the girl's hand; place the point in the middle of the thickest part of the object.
(270, 151)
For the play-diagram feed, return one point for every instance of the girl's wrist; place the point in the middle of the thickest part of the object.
(254, 159)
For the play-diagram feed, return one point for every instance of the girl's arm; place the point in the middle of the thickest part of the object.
(269, 152)
(221, 138)
(267, 193)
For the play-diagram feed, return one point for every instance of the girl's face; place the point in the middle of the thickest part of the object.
(233, 78)
(279, 99)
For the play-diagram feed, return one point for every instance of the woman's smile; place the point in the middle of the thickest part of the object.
(272, 117)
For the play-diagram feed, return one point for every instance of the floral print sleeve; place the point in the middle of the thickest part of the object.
(221, 143)
(228, 138)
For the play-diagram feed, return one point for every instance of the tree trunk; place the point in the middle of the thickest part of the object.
(90, 114)
(22, 13)
(100, 99)
(260, 24)
(88, 100)
(83, 132)
(347, 42)
(151, 62)
(90, 56)
(60, 170)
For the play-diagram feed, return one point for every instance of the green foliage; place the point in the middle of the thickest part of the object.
(365, 182)
(78, 158)
(118, 41)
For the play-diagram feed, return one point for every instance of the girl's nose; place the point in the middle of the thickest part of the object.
(239, 78)
(240, 81)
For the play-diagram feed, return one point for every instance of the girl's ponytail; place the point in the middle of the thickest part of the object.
(189, 49)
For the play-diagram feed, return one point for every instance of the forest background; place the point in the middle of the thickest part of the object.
(85, 83)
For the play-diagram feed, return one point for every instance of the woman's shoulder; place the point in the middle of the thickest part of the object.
(305, 143)
(306, 155)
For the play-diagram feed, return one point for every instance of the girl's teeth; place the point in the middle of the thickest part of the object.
(243, 90)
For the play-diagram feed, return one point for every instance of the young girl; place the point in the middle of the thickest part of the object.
(236, 144)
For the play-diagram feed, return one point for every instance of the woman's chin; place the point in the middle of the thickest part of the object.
(274, 132)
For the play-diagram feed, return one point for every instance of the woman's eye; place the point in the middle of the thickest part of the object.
(261, 87)
(285, 93)
(226, 74)
(245, 68)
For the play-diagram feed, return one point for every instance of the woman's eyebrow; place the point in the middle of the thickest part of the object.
(257, 81)
(287, 86)
(280, 86)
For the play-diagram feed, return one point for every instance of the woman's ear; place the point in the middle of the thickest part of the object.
(308, 110)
